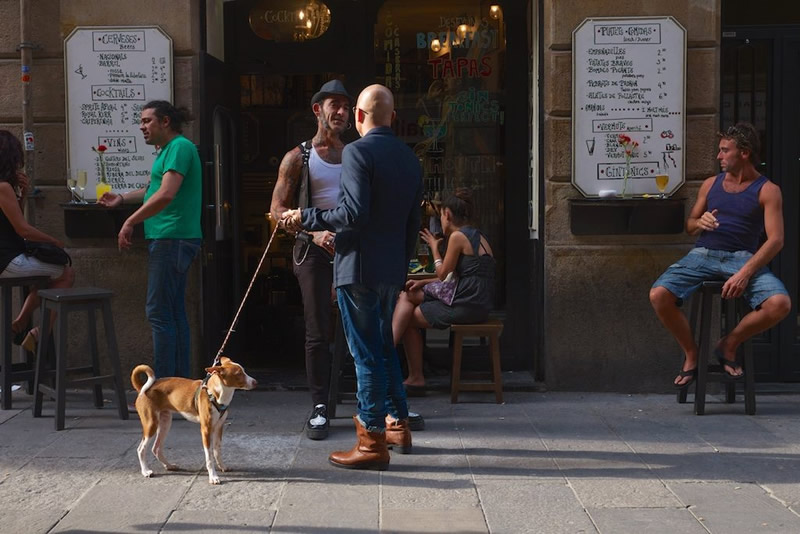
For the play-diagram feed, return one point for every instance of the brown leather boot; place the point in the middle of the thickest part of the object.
(398, 435)
(369, 453)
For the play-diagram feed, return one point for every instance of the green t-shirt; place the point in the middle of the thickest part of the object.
(180, 219)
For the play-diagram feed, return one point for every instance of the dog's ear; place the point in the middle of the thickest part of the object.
(224, 359)
(214, 370)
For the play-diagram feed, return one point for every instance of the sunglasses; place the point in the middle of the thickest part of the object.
(356, 109)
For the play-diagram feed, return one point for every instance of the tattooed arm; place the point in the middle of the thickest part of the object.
(285, 192)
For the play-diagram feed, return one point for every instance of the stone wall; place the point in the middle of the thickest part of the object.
(96, 262)
(601, 333)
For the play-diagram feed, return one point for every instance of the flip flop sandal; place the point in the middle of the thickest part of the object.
(691, 373)
(19, 337)
(732, 364)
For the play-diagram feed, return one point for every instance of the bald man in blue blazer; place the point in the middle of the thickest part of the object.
(377, 225)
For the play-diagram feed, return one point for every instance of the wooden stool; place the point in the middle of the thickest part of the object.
(10, 372)
(732, 310)
(62, 302)
(492, 330)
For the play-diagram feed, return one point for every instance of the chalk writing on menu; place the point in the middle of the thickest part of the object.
(628, 79)
(110, 74)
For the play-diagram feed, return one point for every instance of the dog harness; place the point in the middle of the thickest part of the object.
(211, 398)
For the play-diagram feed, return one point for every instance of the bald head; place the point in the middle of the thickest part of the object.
(378, 103)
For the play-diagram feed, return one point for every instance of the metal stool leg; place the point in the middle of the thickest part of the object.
(749, 370)
(455, 378)
(41, 354)
(497, 375)
(695, 305)
(5, 371)
(61, 366)
(702, 355)
(92, 327)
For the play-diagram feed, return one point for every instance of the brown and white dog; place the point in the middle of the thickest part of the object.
(200, 401)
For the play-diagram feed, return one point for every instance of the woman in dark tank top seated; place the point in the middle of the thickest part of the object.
(468, 256)
(14, 230)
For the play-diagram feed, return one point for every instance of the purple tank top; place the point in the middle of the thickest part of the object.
(740, 216)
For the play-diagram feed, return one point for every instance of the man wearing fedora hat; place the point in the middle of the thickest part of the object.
(309, 177)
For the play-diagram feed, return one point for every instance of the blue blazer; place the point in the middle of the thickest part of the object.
(377, 220)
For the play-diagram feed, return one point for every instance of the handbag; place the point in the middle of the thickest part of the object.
(47, 253)
(443, 290)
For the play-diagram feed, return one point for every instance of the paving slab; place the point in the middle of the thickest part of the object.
(736, 507)
(119, 507)
(623, 492)
(351, 505)
(51, 483)
(15, 519)
(415, 488)
(459, 520)
(531, 506)
(646, 521)
(200, 521)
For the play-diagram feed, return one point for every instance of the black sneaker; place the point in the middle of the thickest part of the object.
(317, 424)
(415, 422)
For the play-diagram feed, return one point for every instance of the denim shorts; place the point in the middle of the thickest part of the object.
(702, 264)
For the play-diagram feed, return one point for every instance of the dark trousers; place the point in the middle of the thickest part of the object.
(315, 276)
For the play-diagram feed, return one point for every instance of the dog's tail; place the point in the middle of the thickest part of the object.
(136, 378)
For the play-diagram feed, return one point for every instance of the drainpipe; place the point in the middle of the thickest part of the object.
(26, 59)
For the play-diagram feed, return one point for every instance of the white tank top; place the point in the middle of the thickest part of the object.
(324, 181)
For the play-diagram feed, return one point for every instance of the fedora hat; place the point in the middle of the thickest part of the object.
(331, 88)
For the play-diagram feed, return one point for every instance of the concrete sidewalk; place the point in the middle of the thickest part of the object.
(541, 462)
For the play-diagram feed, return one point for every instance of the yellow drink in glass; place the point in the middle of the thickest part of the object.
(661, 183)
(102, 188)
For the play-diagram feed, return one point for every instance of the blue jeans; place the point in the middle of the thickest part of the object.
(367, 321)
(168, 268)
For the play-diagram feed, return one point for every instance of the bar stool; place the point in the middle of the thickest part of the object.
(732, 310)
(62, 302)
(11, 372)
(490, 329)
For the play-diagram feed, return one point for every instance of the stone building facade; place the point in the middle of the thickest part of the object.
(578, 315)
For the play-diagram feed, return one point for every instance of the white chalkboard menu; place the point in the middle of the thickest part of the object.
(110, 73)
(629, 79)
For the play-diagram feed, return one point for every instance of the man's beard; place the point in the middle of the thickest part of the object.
(325, 123)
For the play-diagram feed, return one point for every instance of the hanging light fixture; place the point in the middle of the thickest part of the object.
(494, 11)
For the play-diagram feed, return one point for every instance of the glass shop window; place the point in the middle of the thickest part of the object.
(445, 63)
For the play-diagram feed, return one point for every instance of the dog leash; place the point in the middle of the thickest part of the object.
(244, 299)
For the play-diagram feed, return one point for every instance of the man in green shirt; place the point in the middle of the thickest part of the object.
(170, 211)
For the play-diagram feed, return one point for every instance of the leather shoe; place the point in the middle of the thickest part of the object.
(398, 435)
(370, 451)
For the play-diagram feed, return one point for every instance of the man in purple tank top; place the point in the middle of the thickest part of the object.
(732, 211)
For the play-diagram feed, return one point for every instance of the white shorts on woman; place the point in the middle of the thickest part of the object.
(24, 265)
